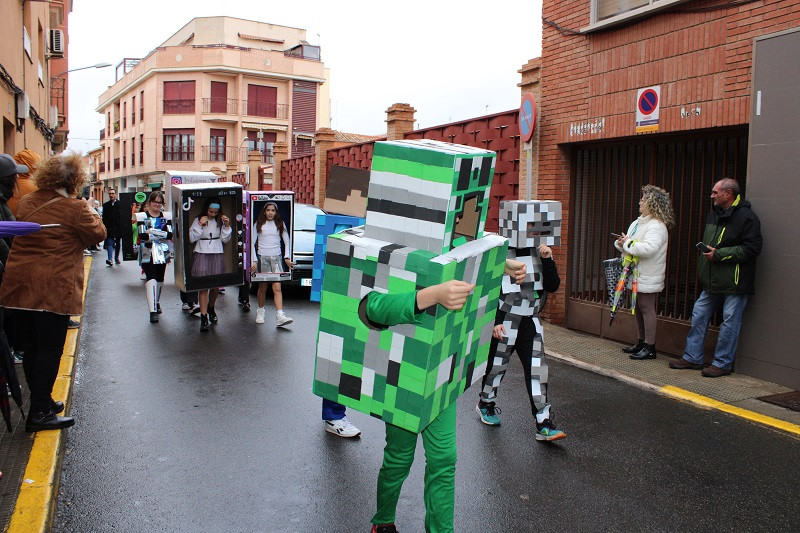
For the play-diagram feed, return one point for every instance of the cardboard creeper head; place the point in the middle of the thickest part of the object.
(425, 217)
(428, 194)
(529, 223)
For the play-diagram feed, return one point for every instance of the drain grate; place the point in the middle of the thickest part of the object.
(789, 400)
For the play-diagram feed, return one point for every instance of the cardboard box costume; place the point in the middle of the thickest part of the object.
(426, 213)
(253, 205)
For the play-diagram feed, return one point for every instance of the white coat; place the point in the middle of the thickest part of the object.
(647, 240)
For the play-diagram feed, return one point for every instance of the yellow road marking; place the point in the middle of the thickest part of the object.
(33, 511)
(705, 401)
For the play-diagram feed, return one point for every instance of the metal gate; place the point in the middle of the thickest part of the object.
(607, 182)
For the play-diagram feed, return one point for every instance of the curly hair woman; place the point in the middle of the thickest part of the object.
(43, 281)
(647, 239)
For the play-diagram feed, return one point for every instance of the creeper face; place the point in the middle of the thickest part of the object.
(427, 194)
(405, 374)
(527, 224)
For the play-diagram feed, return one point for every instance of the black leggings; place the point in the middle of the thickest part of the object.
(155, 272)
(42, 336)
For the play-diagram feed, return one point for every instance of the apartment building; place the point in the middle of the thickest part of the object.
(31, 53)
(216, 90)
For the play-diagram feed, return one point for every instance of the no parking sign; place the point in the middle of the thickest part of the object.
(648, 102)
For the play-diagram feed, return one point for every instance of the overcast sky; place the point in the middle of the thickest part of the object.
(451, 60)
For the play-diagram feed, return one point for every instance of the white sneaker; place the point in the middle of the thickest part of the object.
(143, 276)
(342, 428)
(282, 319)
(194, 310)
(260, 313)
(186, 307)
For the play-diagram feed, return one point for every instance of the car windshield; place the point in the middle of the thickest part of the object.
(305, 217)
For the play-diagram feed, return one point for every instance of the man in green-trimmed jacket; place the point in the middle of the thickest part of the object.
(727, 275)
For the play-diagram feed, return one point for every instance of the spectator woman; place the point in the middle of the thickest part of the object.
(43, 281)
(153, 231)
(647, 240)
(209, 231)
(24, 184)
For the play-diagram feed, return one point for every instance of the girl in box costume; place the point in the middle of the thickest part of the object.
(271, 231)
(209, 231)
(154, 228)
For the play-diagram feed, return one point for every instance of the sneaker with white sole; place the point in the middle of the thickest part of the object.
(488, 413)
(260, 313)
(342, 428)
(282, 319)
(195, 310)
(186, 306)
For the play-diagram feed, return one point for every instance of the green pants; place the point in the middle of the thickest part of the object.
(439, 440)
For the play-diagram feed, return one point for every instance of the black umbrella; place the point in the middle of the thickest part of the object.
(8, 376)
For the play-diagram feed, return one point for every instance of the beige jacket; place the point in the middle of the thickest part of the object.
(44, 271)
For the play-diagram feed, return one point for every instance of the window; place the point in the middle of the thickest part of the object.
(179, 145)
(219, 97)
(133, 151)
(265, 147)
(141, 149)
(179, 97)
(124, 152)
(217, 151)
(124, 114)
(611, 12)
(108, 123)
(262, 101)
(133, 110)
(141, 105)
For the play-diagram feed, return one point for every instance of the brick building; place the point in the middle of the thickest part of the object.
(215, 91)
(597, 56)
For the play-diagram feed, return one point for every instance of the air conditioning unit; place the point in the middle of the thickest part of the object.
(23, 106)
(56, 43)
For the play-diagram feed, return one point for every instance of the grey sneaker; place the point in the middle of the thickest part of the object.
(282, 319)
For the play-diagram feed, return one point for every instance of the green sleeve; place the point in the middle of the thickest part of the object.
(392, 309)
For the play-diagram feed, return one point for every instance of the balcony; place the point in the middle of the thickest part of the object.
(103, 167)
(102, 134)
(265, 109)
(221, 106)
(116, 163)
(229, 154)
(179, 107)
(178, 153)
(266, 155)
(116, 127)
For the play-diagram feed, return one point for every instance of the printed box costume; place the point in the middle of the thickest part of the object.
(426, 200)
(526, 224)
(326, 225)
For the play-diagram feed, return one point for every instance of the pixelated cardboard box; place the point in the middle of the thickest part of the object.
(408, 373)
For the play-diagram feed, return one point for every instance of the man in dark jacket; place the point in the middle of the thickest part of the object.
(113, 224)
(727, 275)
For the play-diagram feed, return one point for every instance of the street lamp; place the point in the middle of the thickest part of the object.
(99, 65)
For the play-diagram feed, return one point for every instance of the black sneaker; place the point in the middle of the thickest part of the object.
(158, 308)
(203, 322)
(212, 315)
(153, 317)
(246, 307)
(109, 263)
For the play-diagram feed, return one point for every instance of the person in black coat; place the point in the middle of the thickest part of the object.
(113, 223)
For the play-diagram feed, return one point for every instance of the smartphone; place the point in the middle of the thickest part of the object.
(616, 235)
(702, 247)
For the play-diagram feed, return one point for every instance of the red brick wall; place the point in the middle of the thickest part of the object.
(589, 82)
(297, 174)
(351, 156)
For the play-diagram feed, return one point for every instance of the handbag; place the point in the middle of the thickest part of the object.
(613, 270)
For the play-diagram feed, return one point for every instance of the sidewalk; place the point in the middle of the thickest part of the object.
(31, 463)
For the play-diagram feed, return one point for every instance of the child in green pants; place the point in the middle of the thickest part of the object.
(439, 438)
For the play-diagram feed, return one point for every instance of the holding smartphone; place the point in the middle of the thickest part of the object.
(702, 247)
(616, 235)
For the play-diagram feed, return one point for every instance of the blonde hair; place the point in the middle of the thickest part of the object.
(62, 171)
(658, 204)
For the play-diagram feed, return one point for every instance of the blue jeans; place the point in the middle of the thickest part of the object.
(114, 243)
(332, 410)
(704, 308)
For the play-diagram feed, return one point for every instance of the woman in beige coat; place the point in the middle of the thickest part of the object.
(43, 281)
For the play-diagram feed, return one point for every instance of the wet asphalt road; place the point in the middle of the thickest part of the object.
(178, 431)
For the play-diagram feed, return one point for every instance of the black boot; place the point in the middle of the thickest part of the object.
(212, 315)
(203, 322)
(246, 306)
(648, 352)
(635, 348)
(153, 317)
(47, 420)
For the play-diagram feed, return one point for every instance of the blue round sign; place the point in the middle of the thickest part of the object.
(527, 117)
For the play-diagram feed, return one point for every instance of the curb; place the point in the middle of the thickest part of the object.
(680, 394)
(35, 505)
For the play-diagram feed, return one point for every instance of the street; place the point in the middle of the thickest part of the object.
(182, 431)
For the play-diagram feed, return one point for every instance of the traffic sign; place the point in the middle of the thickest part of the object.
(527, 117)
(648, 102)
